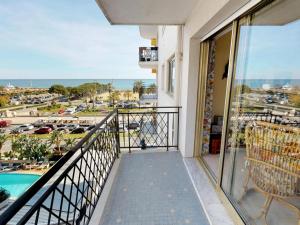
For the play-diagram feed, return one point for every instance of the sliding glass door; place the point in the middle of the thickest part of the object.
(214, 80)
(261, 166)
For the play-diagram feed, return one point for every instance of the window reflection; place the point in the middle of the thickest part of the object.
(261, 172)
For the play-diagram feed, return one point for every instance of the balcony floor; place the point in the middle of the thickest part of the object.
(153, 189)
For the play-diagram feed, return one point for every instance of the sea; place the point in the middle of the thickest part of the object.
(119, 84)
(274, 83)
(127, 84)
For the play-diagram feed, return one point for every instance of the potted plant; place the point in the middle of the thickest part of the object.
(4, 197)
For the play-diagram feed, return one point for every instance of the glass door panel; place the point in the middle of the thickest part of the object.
(261, 173)
(214, 101)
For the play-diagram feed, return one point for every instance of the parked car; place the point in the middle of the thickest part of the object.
(43, 130)
(78, 130)
(99, 102)
(52, 126)
(17, 130)
(70, 111)
(61, 125)
(26, 127)
(120, 105)
(91, 127)
(38, 123)
(63, 99)
(80, 108)
(63, 129)
(133, 126)
(61, 111)
(5, 123)
(72, 126)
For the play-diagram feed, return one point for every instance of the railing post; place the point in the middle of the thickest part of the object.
(128, 129)
(118, 134)
(167, 131)
(178, 128)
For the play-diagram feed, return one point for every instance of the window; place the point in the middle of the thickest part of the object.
(171, 77)
(262, 149)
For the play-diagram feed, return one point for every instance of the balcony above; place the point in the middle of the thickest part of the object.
(148, 57)
(144, 12)
(148, 32)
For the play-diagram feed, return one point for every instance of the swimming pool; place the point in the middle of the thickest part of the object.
(16, 183)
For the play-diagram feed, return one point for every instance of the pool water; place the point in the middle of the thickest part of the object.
(16, 184)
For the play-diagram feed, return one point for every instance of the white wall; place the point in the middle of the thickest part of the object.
(205, 17)
(167, 44)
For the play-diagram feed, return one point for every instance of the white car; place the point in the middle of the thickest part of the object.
(70, 111)
(26, 127)
(72, 126)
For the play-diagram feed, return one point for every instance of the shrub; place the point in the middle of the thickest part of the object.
(4, 194)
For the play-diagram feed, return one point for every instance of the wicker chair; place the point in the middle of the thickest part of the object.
(273, 162)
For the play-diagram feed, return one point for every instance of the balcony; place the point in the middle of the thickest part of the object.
(104, 180)
(148, 57)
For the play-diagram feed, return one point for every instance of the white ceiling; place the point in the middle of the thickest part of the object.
(147, 12)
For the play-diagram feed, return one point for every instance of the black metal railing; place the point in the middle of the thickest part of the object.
(69, 191)
(148, 54)
(149, 127)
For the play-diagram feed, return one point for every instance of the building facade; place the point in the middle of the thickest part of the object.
(228, 81)
(233, 67)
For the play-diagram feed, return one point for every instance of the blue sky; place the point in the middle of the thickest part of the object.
(269, 51)
(65, 39)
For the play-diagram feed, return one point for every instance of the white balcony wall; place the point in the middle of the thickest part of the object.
(206, 17)
(167, 45)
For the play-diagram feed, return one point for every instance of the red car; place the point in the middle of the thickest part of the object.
(5, 123)
(43, 130)
(61, 111)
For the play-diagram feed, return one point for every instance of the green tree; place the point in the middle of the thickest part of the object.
(4, 100)
(127, 94)
(138, 87)
(295, 100)
(151, 89)
(90, 90)
(70, 143)
(58, 89)
(56, 138)
(109, 87)
(241, 89)
(114, 96)
(30, 148)
(74, 92)
(3, 138)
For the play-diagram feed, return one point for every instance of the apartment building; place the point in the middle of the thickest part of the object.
(223, 145)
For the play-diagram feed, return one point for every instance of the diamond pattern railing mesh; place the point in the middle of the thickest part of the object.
(155, 127)
(69, 191)
(75, 185)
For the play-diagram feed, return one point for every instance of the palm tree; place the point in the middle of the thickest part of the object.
(114, 96)
(56, 138)
(3, 138)
(151, 89)
(139, 87)
(127, 94)
(109, 87)
(70, 142)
